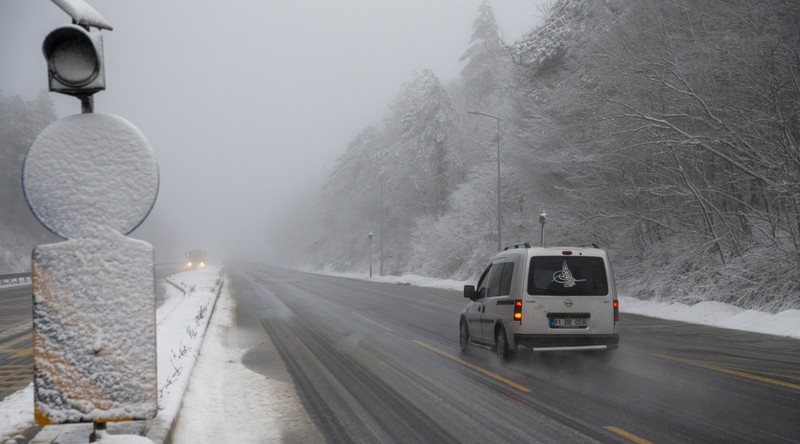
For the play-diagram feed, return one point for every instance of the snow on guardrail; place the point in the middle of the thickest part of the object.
(15, 279)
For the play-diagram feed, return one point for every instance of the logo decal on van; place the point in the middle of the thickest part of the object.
(565, 277)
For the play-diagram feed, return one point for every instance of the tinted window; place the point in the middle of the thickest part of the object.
(494, 280)
(573, 276)
(483, 283)
(500, 279)
(505, 279)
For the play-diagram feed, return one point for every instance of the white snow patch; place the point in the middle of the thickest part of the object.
(124, 439)
(226, 401)
(180, 335)
(407, 279)
(718, 314)
(83, 13)
(16, 412)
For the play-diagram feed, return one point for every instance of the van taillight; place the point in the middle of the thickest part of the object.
(518, 310)
(616, 310)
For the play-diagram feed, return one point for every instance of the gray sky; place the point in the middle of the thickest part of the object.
(246, 102)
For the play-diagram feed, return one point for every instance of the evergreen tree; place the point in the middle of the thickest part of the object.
(425, 122)
(486, 55)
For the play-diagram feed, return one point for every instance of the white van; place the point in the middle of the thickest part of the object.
(545, 299)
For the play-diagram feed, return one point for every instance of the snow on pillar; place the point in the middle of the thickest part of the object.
(92, 179)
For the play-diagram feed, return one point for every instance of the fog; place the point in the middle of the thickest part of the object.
(247, 104)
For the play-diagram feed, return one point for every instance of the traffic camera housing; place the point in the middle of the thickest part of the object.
(75, 63)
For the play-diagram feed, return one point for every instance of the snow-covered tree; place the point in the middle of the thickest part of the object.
(484, 73)
(21, 122)
(425, 160)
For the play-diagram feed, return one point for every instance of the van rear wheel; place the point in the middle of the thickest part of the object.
(504, 352)
(463, 335)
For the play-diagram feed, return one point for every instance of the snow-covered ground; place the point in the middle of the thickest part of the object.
(716, 314)
(182, 321)
(226, 402)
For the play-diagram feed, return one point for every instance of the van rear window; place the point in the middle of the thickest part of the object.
(571, 276)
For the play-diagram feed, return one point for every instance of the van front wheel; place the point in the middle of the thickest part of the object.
(504, 352)
(463, 335)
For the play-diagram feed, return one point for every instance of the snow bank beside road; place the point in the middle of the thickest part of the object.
(715, 314)
(16, 413)
(227, 402)
(718, 314)
(181, 329)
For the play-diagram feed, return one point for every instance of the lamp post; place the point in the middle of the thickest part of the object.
(499, 235)
(542, 218)
(370, 254)
(382, 233)
(316, 256)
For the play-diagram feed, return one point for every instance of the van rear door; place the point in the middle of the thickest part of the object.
(575, 292)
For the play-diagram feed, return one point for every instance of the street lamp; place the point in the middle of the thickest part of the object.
(316, 257)
(370, 254)
(499, 235)
(542, 218)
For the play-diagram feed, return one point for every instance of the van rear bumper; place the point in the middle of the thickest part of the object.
(532, 341)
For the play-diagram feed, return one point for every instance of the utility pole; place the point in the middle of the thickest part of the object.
(370, 254)
(499, 234)
(380, 268)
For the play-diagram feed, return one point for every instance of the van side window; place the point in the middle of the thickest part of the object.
(483, 283)
(505, 279)
(494, 279)
(500, 279)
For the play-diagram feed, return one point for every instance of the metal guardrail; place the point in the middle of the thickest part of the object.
(25, 278)
(18, 278)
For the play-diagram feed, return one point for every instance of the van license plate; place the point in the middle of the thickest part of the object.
(568, 322)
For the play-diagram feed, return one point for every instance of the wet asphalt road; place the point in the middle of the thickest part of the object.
(381, 363)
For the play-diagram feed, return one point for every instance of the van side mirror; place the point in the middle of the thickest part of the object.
(470, 293)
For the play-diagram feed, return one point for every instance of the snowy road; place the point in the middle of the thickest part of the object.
(380, 363)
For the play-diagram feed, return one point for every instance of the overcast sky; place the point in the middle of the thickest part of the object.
(245, 102)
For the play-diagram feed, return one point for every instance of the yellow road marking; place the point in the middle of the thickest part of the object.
(12, 368)
(730, 371)
(7, 346)
(374, 323)
(17, 382)
(627, 435)
(756, 372)
(21, 353)
(492, 375)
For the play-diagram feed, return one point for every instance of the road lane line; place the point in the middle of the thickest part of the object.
(492, 375)
(21, 353)
(13, 331)
(729, 371)
(627, 435)
(10, 345)
(374, 323)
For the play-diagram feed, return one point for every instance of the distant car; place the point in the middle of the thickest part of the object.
(545, 299)
(196, 258)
